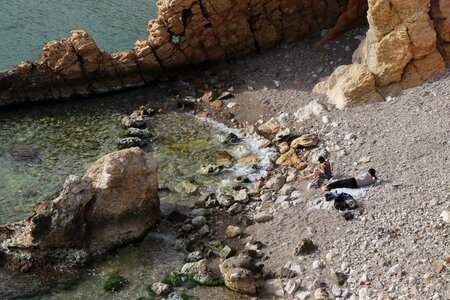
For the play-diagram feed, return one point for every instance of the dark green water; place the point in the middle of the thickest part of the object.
(27, 25)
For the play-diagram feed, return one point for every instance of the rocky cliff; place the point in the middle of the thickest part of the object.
(186, 32)
(407, 43)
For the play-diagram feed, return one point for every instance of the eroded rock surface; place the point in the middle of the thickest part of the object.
(407, 43)
(116, 201)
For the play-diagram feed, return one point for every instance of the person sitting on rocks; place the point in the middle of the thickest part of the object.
(320, 174)
(362, 180)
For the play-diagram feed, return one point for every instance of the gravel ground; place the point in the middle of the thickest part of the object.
(396, 244)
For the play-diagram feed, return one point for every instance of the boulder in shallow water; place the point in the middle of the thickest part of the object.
(115, 202)
(241, 274)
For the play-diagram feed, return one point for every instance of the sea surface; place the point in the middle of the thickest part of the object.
(27, 25)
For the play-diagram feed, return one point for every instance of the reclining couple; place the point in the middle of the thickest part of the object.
(323, 172)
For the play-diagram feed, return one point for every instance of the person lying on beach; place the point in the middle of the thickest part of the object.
(320, 174)
(363, 179)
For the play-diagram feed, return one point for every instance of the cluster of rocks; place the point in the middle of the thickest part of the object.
(115, 202)
(136, 124)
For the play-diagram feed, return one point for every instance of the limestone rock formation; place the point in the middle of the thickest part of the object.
(115, 202)
(401, 50)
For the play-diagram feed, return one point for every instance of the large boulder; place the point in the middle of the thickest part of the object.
(115, 202)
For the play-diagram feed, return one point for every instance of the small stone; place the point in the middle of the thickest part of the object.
(317, 264)
(286, 190)
(235, 209)
(160, 288)
(433, 202)
(231, 104)
(208, 96)
(187, 228)
(336, 291)
(283, 147)
(233, 231)
(263, 143)
(226, 95)
(281, 199)
(306, 140)
(325, 119)
(269, 128)
(266, 197)
(323, 294)
(291, 269)
(365, 159)
(226, 252)
(198, 221)
(200, 212)
(304, 295)
(225, 200)
(194, 256)
(204, 230)
(216, 103)
(394, 270)
(263, 217)
(340, 278)
(276, 183)
(290, 287)
(305, 247)
(438, 266)
(241, 196)
(445, 215)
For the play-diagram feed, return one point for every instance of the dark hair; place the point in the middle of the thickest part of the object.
(372, 172)
(321, 159)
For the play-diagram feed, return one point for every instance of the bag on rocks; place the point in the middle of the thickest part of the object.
(344, 201)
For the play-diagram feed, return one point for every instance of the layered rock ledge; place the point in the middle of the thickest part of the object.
(186, 32)
(115, 202)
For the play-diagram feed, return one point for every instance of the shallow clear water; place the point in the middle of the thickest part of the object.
(62, 139)
(27, 25)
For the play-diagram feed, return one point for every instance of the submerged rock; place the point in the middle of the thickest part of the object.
(115, 202)
(130, 142)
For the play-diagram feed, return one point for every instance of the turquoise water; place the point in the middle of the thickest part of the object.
(27, 25)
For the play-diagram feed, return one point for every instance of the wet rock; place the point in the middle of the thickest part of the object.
(140, 133)
(130, 142)
(249, 159)
(136, 121)
(241, 196)
(231, 138)
(211, 169)
(241, 274)
(160, 288)
(224, 158)
(200, 272)
(306, 140)
(233, 231)
(187, 228)
(269, 128)
(225, 200)
(194, 256)
(305, 247)
(200, 212)
(263, 217)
